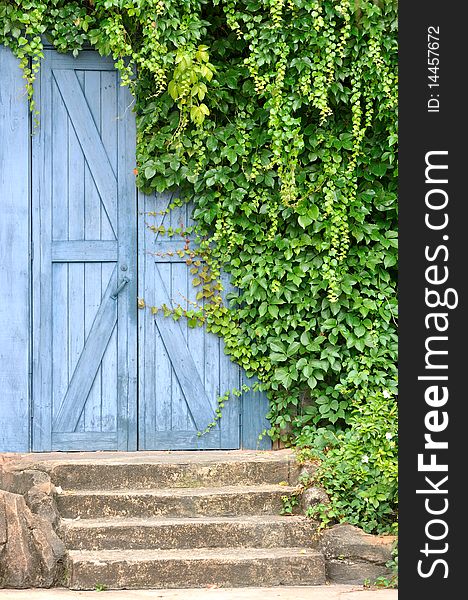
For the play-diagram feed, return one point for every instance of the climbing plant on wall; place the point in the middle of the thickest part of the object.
(277, 119)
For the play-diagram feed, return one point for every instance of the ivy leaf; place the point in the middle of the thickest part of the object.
(273, 310)
(277, 347)
(359, 331)
(231, 156)
(212, 143)
(277, 357)
(318, 364)
(173, 90)
(313, 212)
(150, 172)
(390, 260)
(293, 348)
(283, 376)
(304, 221)
(378, 169)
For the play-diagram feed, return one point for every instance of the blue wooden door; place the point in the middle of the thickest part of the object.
(87, 336)
(84, 262)
(182, 370)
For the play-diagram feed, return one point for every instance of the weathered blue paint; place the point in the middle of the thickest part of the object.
(84, 215)
(86, 340)
(14, 257)
(127, 364)
(182, 363)
(254, 423)
(180, 376)
(89, 138)
(183, 371)
(79, 387)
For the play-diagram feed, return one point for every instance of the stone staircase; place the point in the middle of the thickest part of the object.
(177, 519)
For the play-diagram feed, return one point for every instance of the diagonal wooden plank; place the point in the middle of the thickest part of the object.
(181, 360)
(82, 379)
(90, 140)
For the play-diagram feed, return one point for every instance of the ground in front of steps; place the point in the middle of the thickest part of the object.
(321, 592)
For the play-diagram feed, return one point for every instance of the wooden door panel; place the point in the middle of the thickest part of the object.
(85, 133)
(85, 357)
(183, 370)
(169, 417)
(84, 221)
(191, 403)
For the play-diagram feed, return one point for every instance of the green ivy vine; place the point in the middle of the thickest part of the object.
(277, 120)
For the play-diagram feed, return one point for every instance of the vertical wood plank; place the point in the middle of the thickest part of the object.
(142, 317)
(147, 349)
(230, 379)
(127, 301)
(196, 342)
(14, 257)
(177, 285)
(92, 271)
(109, 138)
(42, 264)
(181, 419)
(164, 375)
(254, 408)
(109, 398)
(211, 359)
(60, 349)
(76, 230)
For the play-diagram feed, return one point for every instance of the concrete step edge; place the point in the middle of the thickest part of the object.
(192, 554)
(198, 568)
(146, 470)
(182, 491)
(165, 457)
(149, 522)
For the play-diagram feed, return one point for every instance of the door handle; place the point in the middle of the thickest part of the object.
(123, 283)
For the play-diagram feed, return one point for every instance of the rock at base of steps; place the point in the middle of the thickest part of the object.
(353, 556)
(31, 554)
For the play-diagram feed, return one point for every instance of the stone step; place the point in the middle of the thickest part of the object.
(267, 531)
(150, 470)
(176, 502)
(222, 567)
